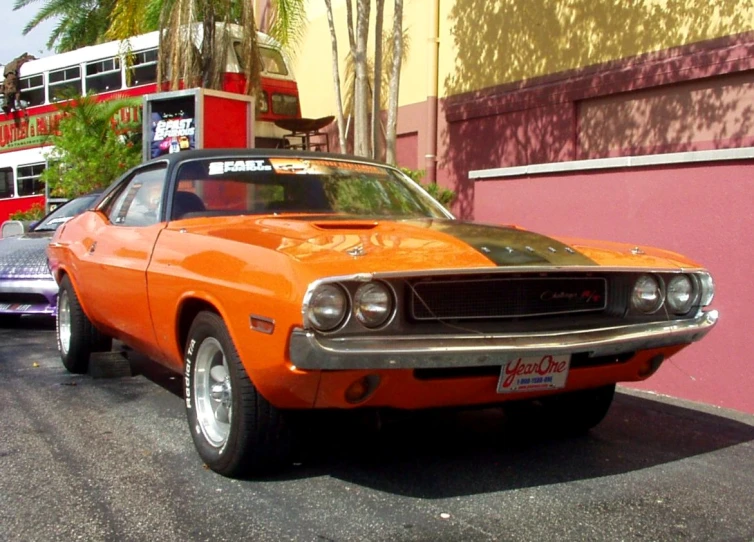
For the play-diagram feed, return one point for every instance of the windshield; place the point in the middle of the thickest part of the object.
(65, 212)
(278, 185)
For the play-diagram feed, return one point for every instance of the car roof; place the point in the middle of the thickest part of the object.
(195, 154)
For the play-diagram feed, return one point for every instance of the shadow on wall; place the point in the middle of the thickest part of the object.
(532, 115)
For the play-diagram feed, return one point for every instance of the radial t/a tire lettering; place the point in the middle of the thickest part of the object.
(76, 335)
(235, 430)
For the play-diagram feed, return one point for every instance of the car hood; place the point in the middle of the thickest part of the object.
(24, 257)
(395, 245)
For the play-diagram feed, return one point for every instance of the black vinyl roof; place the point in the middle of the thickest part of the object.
(198, 154)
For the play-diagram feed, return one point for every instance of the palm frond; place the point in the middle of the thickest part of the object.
(127, 19)
(288, 22)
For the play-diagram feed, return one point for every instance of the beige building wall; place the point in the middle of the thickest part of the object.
(487, 43)
(313, 60)
(491, 43)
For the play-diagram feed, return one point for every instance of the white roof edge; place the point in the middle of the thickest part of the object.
(108, 49)
(714, 155)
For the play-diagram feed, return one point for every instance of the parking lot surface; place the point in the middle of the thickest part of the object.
(108, 456)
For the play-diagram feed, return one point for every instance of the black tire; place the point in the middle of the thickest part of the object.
(577, 412)
(236, 431)
(77, 337)
(10, 320)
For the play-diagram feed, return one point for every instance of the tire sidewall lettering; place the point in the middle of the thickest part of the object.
(187, 373)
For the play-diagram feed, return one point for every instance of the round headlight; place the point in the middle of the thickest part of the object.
(647, 294)
(328, 306)
(372, 304)
(680, 294)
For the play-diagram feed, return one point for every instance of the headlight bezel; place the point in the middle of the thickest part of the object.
(310, 305)
(706, 287)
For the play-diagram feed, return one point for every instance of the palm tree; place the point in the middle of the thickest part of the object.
(190, 45)
(81, 22)
(369, 84)
(393, 51)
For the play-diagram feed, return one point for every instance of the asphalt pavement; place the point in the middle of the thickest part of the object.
(108, 456)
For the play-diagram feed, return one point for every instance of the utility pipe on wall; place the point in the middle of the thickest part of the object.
(430, 158)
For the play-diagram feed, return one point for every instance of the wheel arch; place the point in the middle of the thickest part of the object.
(188, 309)
(62, 273)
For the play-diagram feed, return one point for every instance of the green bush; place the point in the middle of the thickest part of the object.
(92, 146)
(444, 195)
(35, 213)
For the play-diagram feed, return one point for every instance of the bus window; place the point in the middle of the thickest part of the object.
(6, 182)
(28, 180)
(64, 83)
(103, 75)
(285, 104)
(143, 68)
(32, 90)
(272, 60)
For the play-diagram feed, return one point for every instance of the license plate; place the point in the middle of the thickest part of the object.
(536, 373)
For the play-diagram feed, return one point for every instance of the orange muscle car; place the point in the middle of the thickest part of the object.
(279, 281)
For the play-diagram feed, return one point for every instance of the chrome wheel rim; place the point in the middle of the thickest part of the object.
(212, 392)
(64, 322)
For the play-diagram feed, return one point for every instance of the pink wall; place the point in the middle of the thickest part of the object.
(701, 211)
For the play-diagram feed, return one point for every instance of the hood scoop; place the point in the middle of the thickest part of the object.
(345, 224)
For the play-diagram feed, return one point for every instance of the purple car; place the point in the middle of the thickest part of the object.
(26, 285)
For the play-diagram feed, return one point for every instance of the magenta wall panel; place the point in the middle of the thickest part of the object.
(703, 211)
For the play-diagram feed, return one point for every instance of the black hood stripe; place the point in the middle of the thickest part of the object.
(506, 246)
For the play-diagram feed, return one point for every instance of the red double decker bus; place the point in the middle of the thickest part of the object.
(103, 70)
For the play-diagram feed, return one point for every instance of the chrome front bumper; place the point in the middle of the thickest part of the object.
(310, 351)
(12, 291)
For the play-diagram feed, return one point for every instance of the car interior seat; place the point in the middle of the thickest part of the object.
(186, 202)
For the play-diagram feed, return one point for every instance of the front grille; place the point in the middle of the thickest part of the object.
(19, 298)
(485, 298)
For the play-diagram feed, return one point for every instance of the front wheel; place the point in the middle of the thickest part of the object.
(9, 320)
(235, 430)
(77, 336)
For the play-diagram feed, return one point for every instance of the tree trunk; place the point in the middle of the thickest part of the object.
(377, 91)
(336, 79)
(361, 109)
(395, 77)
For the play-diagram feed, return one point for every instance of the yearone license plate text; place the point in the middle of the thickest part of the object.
(534, 373)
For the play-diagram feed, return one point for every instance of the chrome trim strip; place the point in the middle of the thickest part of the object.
(310, 351)
(46, 287)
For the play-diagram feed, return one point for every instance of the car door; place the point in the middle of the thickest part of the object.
(118, 255)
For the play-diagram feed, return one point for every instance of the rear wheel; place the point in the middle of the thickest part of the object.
(236, 431)
(77, 336)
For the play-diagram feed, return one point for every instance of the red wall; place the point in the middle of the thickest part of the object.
(701, 211)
